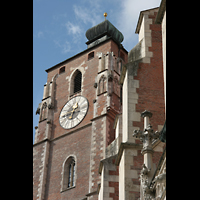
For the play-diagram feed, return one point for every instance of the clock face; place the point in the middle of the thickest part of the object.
(73, 112)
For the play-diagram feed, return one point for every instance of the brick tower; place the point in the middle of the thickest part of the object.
(92, 103)
(81, 100)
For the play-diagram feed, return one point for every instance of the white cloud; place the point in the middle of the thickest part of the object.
(124, 16)
(89, 14)
(128, 18)
(73, 28)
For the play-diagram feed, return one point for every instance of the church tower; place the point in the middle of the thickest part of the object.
(82, 99)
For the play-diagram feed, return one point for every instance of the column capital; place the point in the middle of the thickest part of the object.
(146, 113)
(147, 150)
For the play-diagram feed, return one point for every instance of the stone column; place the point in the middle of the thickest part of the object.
(146, 136)
(147, 150)
(146, 115)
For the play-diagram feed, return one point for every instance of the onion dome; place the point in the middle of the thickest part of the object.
(103, 29)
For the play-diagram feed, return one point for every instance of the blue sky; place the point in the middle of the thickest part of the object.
(59, 28)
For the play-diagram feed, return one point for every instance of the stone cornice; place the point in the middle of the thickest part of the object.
(49, 140)
(42, 141)
(123, 145)
(126, 145)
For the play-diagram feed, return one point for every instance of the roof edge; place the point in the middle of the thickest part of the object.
(161, 12)
(84, 51)
(140, 19)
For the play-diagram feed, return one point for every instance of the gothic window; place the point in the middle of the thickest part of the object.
(77, 81)
(102, 84)
(91, 55)
(69, 171)
(43, 112)
(62, 70)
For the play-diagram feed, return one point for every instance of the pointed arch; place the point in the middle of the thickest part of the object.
(102, 84)
(76, 82)
(119, 65)
(62, 70)
(43, 113)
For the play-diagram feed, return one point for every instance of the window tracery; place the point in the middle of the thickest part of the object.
(43, 112)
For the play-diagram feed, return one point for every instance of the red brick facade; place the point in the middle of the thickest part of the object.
(150, 76)
(150, 94)
(87, 142)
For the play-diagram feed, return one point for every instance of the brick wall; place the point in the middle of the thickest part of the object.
(114, 184)
(143, 79)
(37, 165)
(88, 140)
(151, 81)
(150, 91)
(40, 163)
(77, 144)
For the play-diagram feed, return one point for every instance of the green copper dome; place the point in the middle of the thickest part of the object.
(104, 28)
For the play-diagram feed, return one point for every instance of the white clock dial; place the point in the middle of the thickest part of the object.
(73, 112)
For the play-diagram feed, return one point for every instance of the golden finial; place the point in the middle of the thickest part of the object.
(105, 15)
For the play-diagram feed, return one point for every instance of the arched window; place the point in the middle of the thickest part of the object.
(69, 171)
(91, 55)
(77, 81)
(62, 70)
(102, 84)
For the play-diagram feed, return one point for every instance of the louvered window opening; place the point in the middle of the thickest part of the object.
(77, 82)
(71, 175)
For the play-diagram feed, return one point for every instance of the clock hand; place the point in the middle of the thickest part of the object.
(75, 106)
(67, 113)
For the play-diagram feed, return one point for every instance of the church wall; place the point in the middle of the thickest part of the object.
(143, 89)
(129, 167)
(89, 69)
(98, 139)
(78, 145)
(150, 76)
(164, 53)
(122, 178)
(94, 133)
(40, 163)
(95, 139)
(109, 187)
(106, 107)
(37, 164)
(129, 101)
